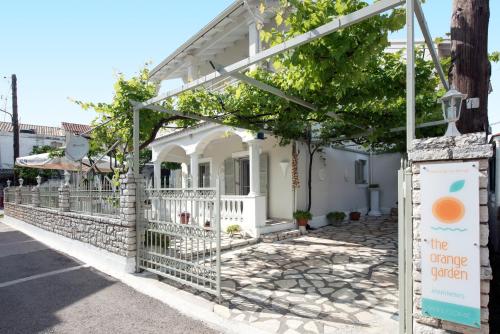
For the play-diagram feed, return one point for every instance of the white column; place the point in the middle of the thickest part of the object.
(184, 175)
(253, 41)
(192, 69)
(194, 169)
(254, 158)
(157, 174)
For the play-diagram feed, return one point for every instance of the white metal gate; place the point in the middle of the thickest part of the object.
(405, 248)
(179, 236)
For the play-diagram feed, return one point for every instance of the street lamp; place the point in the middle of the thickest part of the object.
(452, 103)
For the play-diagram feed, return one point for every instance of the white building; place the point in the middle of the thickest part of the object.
(255, 175)
(29, 137)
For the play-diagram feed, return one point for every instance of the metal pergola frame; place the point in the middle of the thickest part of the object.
(413, 9)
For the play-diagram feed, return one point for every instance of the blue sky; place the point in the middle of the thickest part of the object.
(73, 49)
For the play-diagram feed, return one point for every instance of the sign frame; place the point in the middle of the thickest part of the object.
(450, 249)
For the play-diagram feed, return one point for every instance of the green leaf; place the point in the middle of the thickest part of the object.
(279, 19)
(262, 8)
(456, 186)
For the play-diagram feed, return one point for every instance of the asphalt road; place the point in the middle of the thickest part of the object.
(44, 291)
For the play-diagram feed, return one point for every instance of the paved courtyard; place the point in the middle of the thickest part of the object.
(333, 280)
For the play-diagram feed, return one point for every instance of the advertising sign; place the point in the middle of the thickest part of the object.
(450, 242)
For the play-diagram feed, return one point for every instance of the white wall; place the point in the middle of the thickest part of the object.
(333, 182)
(280, 186)
(385, 173)
(333, 179)
(26, 144)
(280, 201)
(219, 150)
(333, 186)
(212, 142)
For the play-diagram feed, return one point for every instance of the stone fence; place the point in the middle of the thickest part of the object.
(113, 233)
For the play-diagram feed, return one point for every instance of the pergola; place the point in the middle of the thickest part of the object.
(413, 9)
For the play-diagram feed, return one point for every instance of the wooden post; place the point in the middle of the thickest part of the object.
(470, 68)
(15, 121)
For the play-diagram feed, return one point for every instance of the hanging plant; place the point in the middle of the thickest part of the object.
(295, 172)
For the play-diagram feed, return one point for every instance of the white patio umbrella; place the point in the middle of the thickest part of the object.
(44, 161)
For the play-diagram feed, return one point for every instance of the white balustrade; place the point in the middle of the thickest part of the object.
(167, 205)
(232, 209)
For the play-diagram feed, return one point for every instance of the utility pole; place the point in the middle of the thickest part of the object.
(470, 69)
(15, 121)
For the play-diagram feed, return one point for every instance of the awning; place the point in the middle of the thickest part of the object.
(44, 161)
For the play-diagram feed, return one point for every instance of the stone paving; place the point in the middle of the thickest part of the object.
(332, 280)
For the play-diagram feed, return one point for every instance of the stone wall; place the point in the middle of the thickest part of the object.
(470, 147)
(114, 234)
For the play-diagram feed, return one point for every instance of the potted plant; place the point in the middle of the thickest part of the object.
(184, 217)
(354, 215)
(302, 218)
(335, 218)
(233, 229)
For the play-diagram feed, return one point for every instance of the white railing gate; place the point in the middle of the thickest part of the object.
(405, 248)
(179, 236)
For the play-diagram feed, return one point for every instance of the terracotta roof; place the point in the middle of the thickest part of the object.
(43, 130)
(75, 128)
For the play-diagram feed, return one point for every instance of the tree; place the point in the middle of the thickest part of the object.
(357, 88)
(470, 69)
(346, 73)
(118, 115)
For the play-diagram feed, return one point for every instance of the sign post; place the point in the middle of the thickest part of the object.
(450, 242)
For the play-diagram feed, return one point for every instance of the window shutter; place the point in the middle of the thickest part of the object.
(264, 174)
(359, 171)
(229, 184)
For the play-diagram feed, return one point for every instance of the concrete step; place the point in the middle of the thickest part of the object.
(280, 235)
(276, 225)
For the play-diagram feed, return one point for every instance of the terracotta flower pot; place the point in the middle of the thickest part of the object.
(354, 215)
(302, 221)
(185, 217)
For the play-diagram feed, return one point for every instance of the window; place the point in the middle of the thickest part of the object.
(204, 175)
(244, 179)
(360, 171)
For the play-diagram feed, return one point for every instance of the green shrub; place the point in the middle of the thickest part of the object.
(300, 214)
(336, 216)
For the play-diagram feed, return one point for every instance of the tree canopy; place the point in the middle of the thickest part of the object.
(113, 125)
(357, 87)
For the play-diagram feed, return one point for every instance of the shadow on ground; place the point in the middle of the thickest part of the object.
(341, 277)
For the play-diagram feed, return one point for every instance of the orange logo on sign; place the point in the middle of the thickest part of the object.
(448, 210)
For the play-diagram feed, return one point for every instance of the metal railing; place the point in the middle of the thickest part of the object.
(179, 237)
(26, 195)
(49, 195)
(9, 195)
(98, 196)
